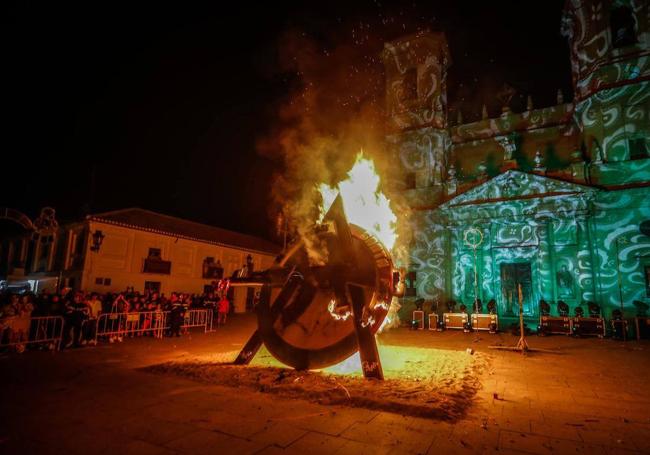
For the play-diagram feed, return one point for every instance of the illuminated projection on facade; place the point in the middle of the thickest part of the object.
(560, 193)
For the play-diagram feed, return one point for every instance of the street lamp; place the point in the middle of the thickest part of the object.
(98, 238)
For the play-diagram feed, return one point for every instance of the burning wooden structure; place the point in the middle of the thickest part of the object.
(313, 316)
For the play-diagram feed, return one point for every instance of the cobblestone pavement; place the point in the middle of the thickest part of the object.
(592, 397)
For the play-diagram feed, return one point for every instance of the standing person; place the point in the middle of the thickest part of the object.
(186, 304)
(9, 313)
(39, 327)
(94, 311)
(56, 306)
(22, 325)
(120, 304)
(145, 315)
(41, 304)
(155, 299)
(67, 308)
(117, 320)
(76, 312)
(132, 320)
(210, 304)
(26, 308)
(223, 308)
(177, 315)
(157, 318)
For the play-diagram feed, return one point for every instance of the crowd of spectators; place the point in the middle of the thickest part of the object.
(76, 307)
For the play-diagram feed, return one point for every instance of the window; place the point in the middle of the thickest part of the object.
(99, 280)
(76, 250)
(107, 281)
(155, 253)
(410, 84)
(638, 148)
(211, 269)
(623, 27)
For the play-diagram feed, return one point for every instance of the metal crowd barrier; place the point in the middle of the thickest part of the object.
(119, 325)
(37, 330)
(210, 321)
(198, 318)
(48, 330)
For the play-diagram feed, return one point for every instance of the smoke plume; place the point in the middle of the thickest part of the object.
(334, 110)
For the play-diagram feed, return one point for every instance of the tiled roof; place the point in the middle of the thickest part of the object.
(146, 220)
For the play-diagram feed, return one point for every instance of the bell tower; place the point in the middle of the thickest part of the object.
(416, 80)
(609, 42)
(416, 103)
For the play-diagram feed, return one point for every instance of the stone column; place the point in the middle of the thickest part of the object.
(456, 236)
(586, 282)
(449, 238)
(546, 264)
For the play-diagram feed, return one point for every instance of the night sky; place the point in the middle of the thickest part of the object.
(118, 104)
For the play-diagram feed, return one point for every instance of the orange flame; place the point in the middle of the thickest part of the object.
(364, 203)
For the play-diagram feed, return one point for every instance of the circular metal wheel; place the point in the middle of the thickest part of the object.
(303, 322)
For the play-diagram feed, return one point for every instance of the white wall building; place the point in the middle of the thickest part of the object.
(139, 249)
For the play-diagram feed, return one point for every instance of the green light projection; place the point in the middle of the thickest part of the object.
(562, 215)
(570, 235)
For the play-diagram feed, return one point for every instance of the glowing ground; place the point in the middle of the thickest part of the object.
(432, 383)
(590, 397)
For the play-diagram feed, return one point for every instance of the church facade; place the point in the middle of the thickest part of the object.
(553, 201)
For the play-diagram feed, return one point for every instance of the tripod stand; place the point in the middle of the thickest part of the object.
(522, 344)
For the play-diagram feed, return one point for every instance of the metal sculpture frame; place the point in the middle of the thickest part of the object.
(288, 291)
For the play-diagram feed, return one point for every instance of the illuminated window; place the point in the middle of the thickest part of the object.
(623, 27)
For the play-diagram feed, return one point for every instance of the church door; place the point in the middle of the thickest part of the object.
(513, 275)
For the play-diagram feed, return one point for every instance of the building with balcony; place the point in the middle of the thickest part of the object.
(131, 248)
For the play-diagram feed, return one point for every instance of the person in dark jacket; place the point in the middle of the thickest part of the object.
(176, 315)
(76, 312)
